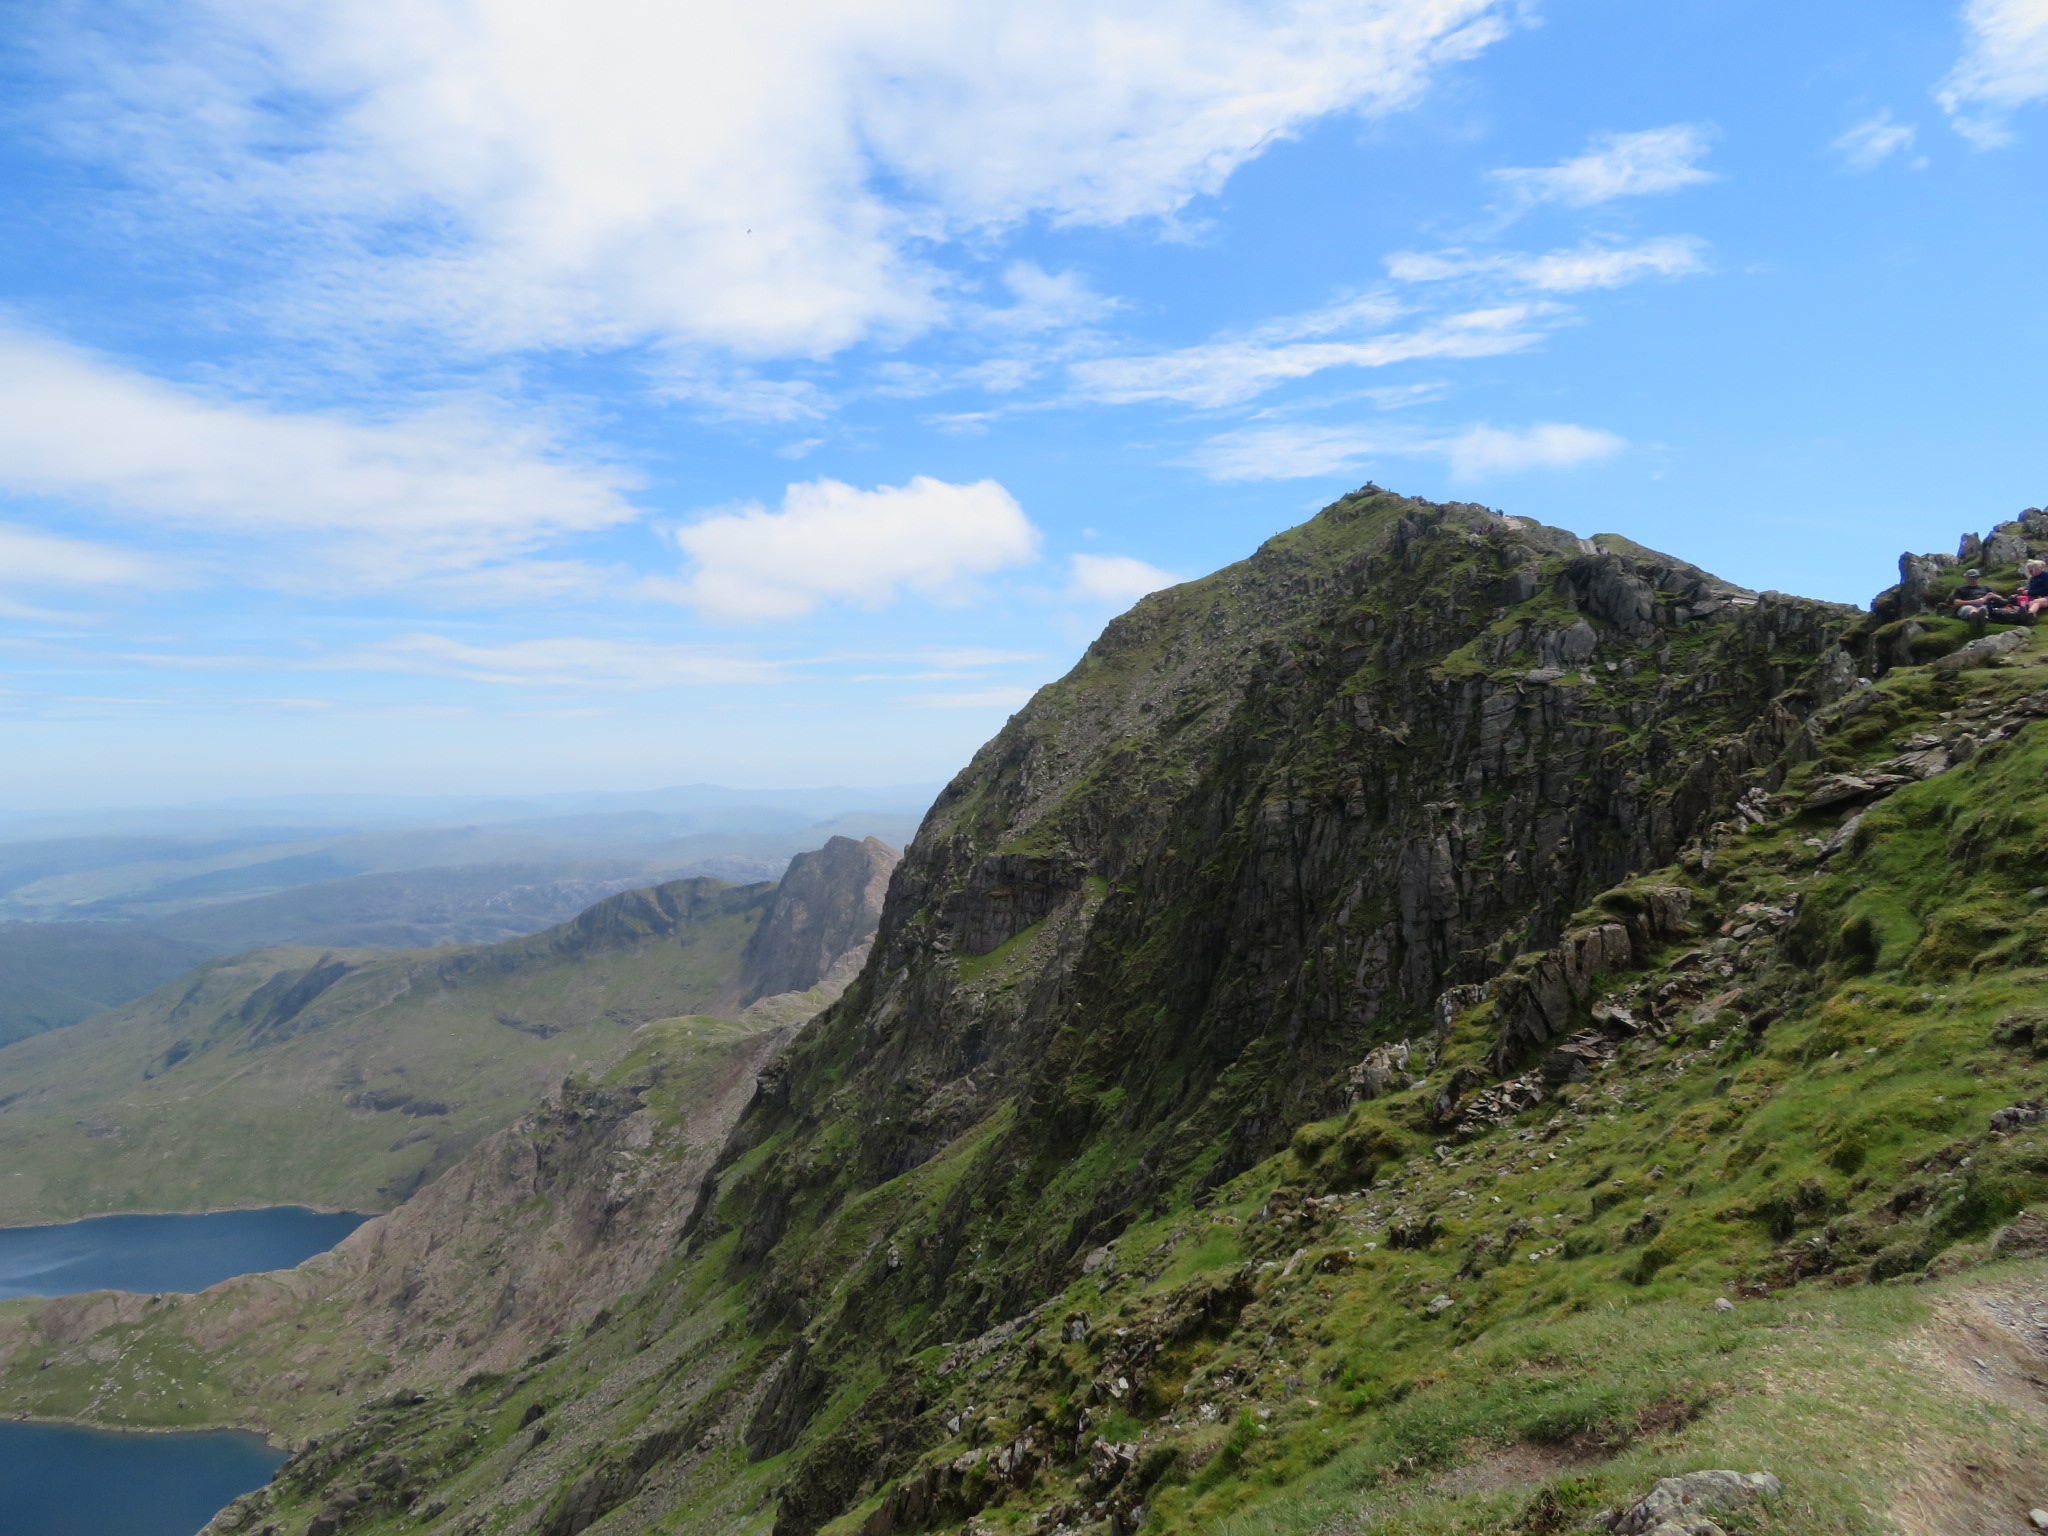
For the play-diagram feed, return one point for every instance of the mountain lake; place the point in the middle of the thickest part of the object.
(152, 1254)
(89, 1482)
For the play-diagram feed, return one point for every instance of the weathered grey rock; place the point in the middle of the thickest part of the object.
(1384, 1067)
(1917, 575)
(2026, 1112)
(1924, 764)
(1678, 1501)
(1970, 551)
(2005, 547)
(1981, 652)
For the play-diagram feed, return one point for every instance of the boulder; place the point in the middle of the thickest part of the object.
(2024, 1237)
(1981, 652)
(1681, 1504)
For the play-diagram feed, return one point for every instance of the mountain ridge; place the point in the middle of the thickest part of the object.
(1420, 1030)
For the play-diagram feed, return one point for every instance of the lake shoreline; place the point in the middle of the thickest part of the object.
(211, 1210)
(273, 1439)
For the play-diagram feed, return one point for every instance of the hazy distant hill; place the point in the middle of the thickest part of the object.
(54, 974)
(99, 916)
(346, 1077)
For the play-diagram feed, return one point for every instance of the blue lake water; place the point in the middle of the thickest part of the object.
(151, 1254)
(58, 1481)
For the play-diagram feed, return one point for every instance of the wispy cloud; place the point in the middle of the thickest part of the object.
(32, 558)
(1233, 369)
(1302, 451)
(1875, 139)
(513, 175)
(313, 503)
(564, 661)
(1566, 271)
(1012, 698)
(2006, 68)
(833, 542)
(1615, 165)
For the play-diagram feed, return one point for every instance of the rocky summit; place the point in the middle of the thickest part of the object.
(1445, 1026)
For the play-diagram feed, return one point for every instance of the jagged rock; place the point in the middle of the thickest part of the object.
(823, 917)
(1834, 789)
(1677, 1500)
(1970, 551)
(1384, 1067)
(1915, 591)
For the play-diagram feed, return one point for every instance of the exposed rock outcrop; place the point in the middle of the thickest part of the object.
(823, 917)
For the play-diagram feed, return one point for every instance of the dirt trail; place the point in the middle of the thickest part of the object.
(1991, 1343)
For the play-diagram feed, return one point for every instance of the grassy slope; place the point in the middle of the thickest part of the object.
(200, 1096)
(282, 1352)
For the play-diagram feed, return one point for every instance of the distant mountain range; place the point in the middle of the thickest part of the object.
(97, 908)
(346, 1078)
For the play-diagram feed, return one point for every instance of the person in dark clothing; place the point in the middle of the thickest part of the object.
(2033, 592)
(1974, 600)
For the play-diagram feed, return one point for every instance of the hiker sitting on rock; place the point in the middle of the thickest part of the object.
(1974, 600)
(2033, 592)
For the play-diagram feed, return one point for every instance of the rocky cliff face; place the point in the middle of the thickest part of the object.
(826, 909)
(1351, 1027)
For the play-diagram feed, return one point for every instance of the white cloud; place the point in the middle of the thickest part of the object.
(565, 661)
(1874, 140)
(1011, 699)
(1481, 451)
(1569, 271)
(1297, 452)
(755, 178)
(443, 495)
(1118, 579)
(1301, 452)
(1049, 300)
(32, 558)
(1230, 370)
(1616, 165)
(1557, 271)
(831, 541)
(2005, 69)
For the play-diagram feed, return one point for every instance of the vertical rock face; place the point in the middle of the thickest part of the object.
(1262, 826)
(1273, 814)
(824, 914)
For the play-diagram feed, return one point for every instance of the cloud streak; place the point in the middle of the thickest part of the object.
(330, 504)
(1231, 370)
(1303, 451)
(1652, 161)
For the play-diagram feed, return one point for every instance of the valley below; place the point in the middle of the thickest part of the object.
(1445, 1026)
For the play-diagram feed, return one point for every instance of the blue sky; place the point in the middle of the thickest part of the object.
(497, 396)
